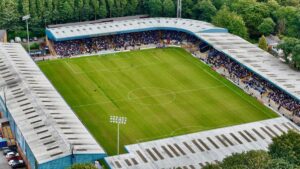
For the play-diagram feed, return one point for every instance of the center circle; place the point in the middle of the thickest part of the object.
(151, 96)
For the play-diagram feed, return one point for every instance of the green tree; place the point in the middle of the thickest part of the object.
(123, 4)
(262, 43)
(168, 8)
(82, 166)
(25, 7)
(273, 6)
(132, 7)
(96, 8)
(287, 46)
(48, 12)
(239, 6)
(187, 6)
(296, 57)
(40, 5)
(80, 9)
(267, 26)
(289, 2)
(218, 3)
(111, 4)
(66, 11)
(283, 154)
(279, 164)
(253, 14)
(86, 10)
(204, 10)
(9, 15)
(232, 21)
(286, 147)
(119, 8)
(248, 160)
(288, 21)
(102, 9)
(155, 7)
(32, 7)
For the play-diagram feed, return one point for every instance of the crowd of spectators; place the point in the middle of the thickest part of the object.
(120, 41)
(253, 81)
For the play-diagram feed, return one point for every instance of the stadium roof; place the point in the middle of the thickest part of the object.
(49, 126)
(197, 149)
(115, 19)
(80, 31)
(257, 60)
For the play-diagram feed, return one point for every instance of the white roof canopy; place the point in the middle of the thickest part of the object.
(196, 150)
(105, 28)
(257, 60)
(47, 123)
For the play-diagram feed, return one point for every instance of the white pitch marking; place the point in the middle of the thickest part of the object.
(126, 99)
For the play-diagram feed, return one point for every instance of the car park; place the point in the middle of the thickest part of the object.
(14, 148)
(9, 149)
(6, 151)
(11, 155)
(11, 162)
(18, 164)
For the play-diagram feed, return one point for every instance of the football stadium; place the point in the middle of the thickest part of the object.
(140, 92)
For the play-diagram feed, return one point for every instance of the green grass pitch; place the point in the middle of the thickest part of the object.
(162, 92)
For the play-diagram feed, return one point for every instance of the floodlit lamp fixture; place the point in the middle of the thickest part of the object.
(25, 18)
(118, 120)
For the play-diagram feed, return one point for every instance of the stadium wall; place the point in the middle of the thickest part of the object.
(67, 161)
(22, 144)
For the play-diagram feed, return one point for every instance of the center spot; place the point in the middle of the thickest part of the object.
(152, 96)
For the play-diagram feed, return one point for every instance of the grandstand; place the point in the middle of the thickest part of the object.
(51, 135)
(45, 128)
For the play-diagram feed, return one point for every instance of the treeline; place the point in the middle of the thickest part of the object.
(45, 12)
(249, 19)
(283, 153)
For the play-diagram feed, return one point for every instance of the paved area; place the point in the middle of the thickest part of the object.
(3, 162)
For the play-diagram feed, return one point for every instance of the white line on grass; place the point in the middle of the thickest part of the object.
(121, 69)
(70, 66)
(226, 86)
(131, 99)
(191, 129)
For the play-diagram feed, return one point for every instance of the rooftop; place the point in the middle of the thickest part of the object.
(80, 31)
(257, 60)
(193, 151)
(49, 126)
